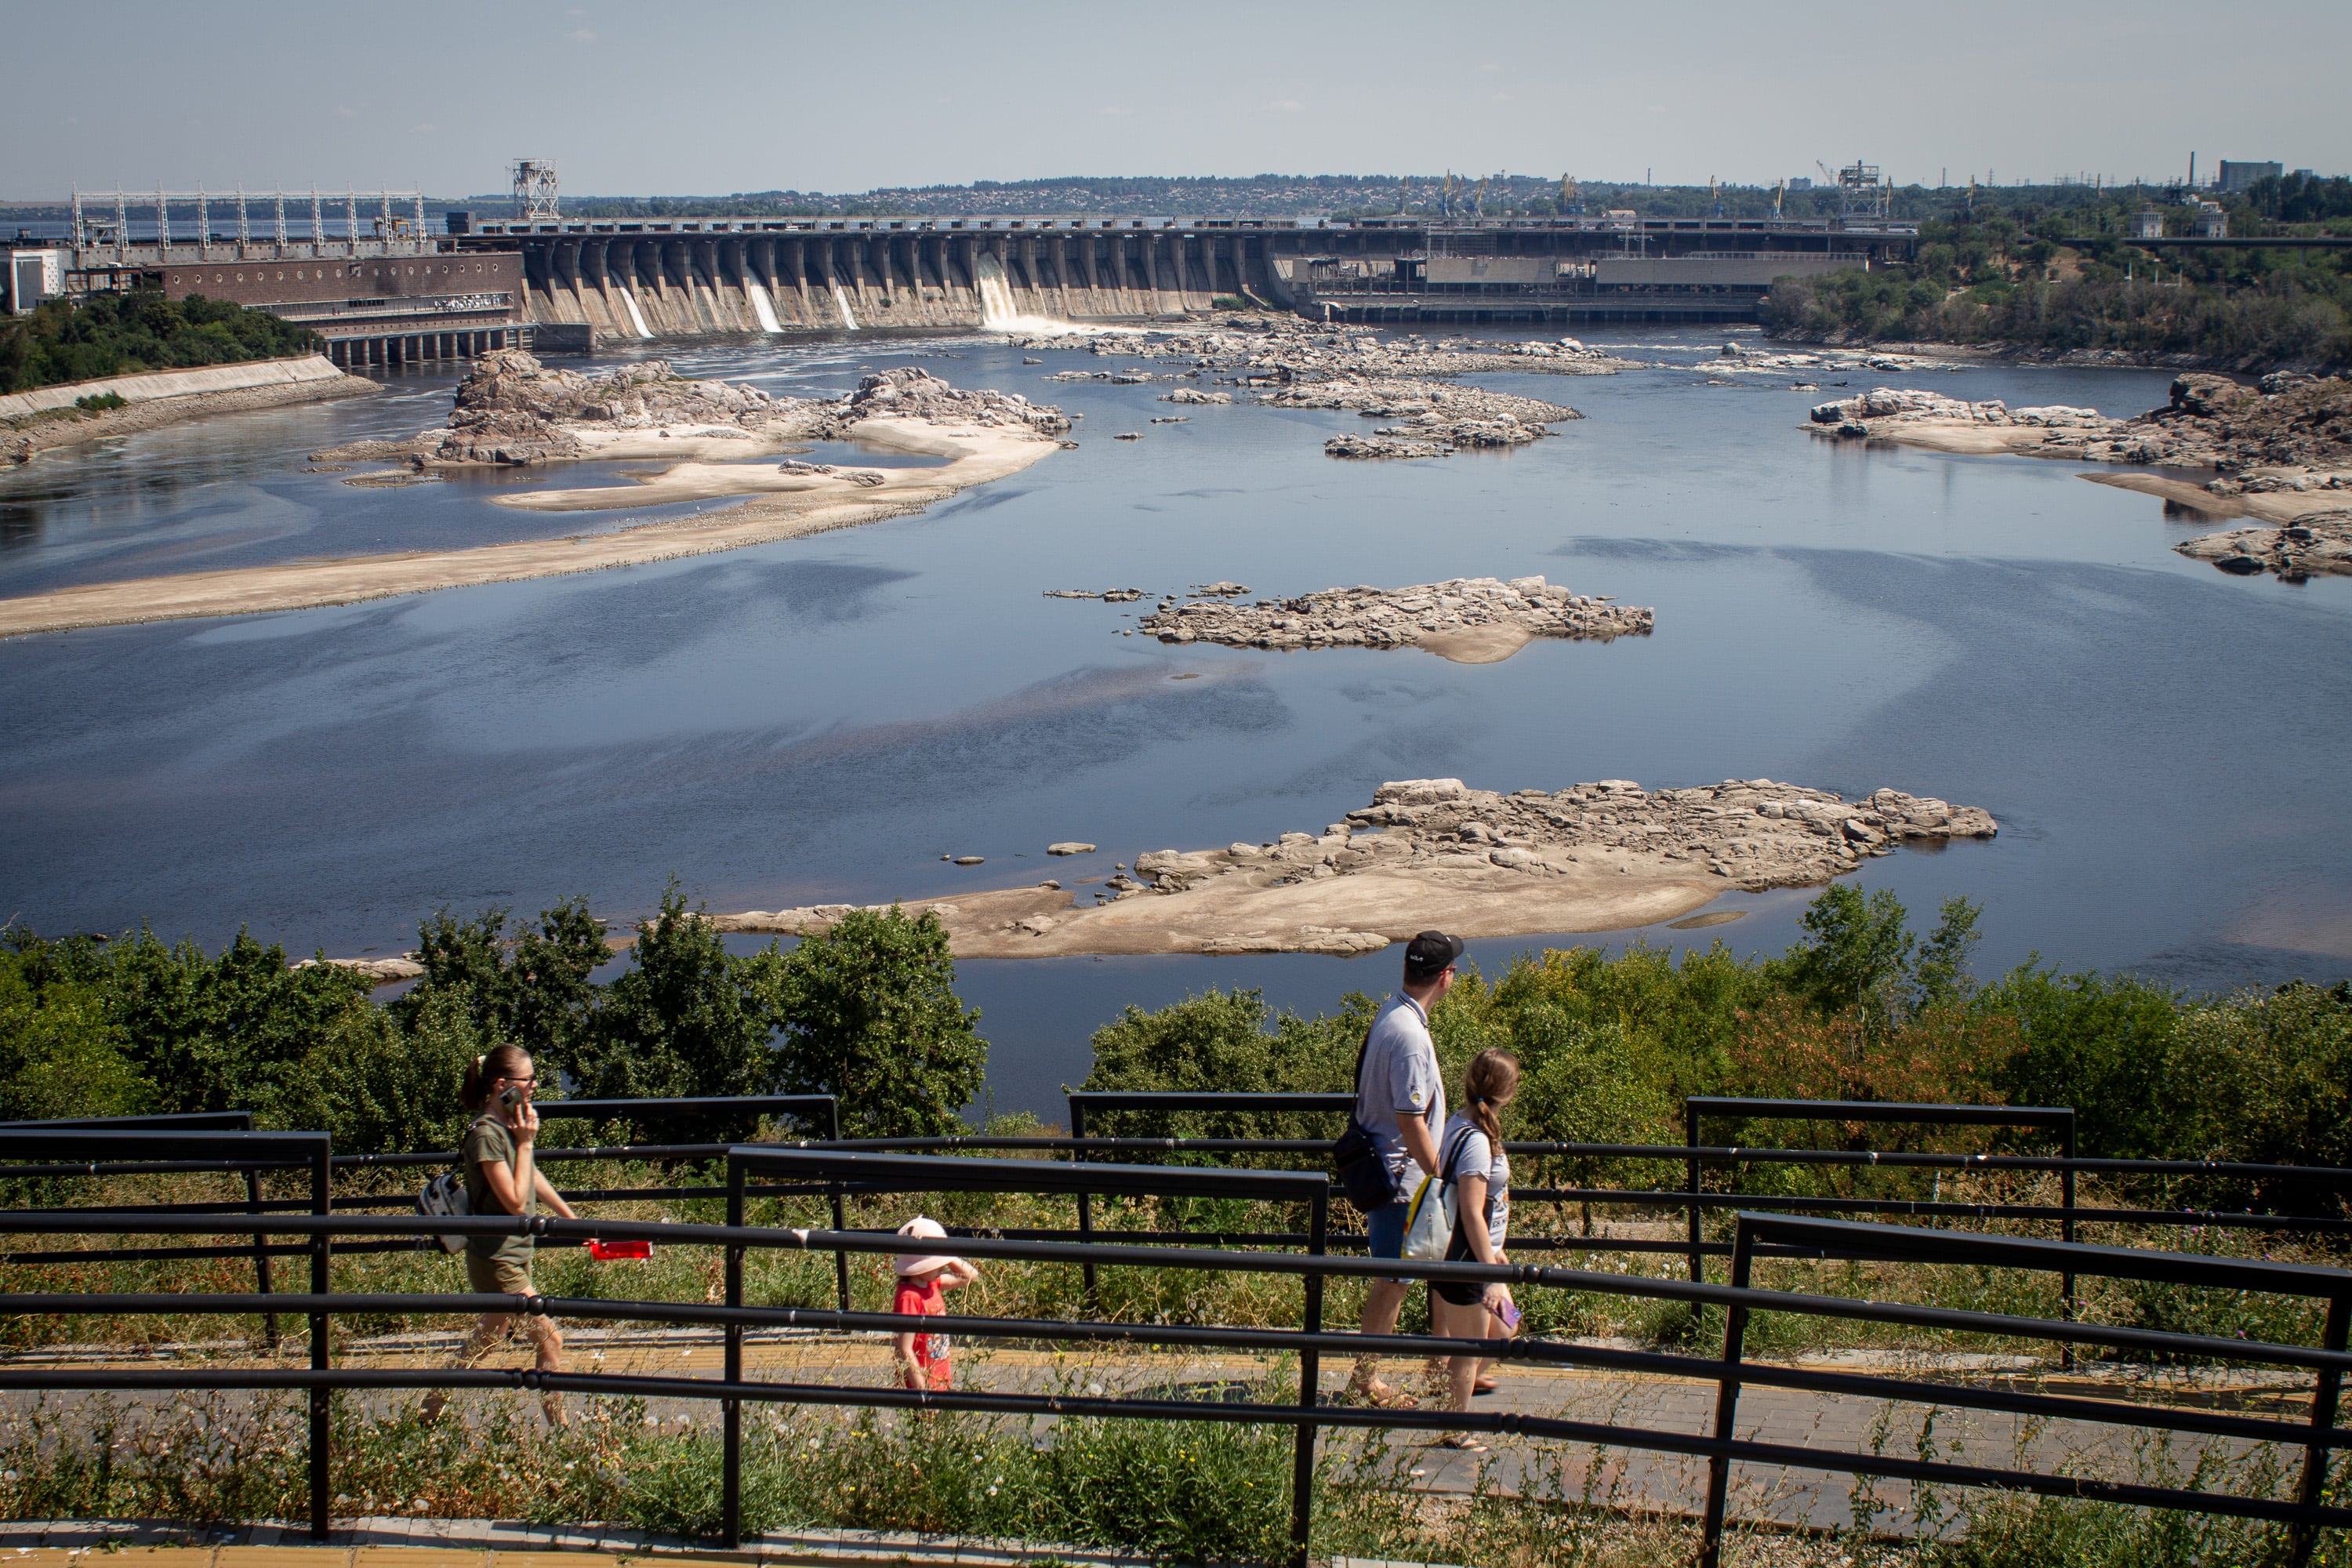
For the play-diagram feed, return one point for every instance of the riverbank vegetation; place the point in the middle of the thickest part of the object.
(2068, 279)
(1863, 1007)
(88, 337)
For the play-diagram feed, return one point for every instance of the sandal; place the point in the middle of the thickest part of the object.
(1460, 1442)
(1383, 1396)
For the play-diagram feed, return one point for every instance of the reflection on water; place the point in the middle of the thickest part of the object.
(822, 719)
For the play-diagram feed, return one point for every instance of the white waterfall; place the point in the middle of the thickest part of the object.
(765, 307)
(997, 312)
(848, 318)
(636, 317)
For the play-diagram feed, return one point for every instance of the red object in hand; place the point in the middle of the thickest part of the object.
(612, 1251)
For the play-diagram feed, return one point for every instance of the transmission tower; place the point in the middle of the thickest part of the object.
(534, 190)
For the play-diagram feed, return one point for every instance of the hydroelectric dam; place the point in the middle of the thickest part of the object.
(647, 278)
(381, 289)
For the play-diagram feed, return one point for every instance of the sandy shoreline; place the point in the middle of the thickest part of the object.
(1431, 852)
(799, 504)
(23, 439)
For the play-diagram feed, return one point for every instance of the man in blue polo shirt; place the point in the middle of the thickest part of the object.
(1400, 1102)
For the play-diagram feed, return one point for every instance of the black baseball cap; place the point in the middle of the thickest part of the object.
(1430, 955)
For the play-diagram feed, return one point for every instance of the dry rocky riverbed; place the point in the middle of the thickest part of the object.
(2292, 434)
(2281, 453)
(1267, 349)
(1432, 852)
(2320, 544)
(513, 410)
(1471, 620)
(1294, 364)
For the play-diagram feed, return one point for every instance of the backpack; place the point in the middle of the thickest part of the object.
(444, 1197)
(1355, 1159)
(1429, 1223)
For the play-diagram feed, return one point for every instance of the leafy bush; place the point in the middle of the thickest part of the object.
(86, 337)
(100, 402)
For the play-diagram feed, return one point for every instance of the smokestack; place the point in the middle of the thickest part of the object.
(2193, 171)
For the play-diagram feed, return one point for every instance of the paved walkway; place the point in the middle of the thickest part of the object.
(1613, 1476)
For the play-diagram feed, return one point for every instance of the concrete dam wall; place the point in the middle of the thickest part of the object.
(625, 286)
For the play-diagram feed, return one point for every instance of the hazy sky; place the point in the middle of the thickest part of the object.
(714, 96)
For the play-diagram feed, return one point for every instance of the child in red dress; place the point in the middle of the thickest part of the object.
(922, 1280)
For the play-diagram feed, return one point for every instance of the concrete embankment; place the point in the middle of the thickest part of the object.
(45, 417)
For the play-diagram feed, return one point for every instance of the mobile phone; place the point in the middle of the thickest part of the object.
(511, 1096)
(1510, 1316)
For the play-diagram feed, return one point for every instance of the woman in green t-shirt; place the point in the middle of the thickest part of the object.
(500, 1178)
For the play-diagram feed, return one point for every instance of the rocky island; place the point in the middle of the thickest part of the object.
(512, 410)
(1594, 856)
(2281, 452)
(1470, 620)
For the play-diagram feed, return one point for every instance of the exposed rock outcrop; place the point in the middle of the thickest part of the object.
(1464, 615)
(1439, 419)
(2286, 434)
(2317, 545)
(511, 409)
(1426, 852)
(1262, 350)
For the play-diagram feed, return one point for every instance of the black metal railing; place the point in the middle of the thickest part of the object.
(836, 1170)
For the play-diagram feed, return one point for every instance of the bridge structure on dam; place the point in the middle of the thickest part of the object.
(365, 273)
(653, 277)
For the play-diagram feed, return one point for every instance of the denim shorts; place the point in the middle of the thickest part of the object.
(1384, 1227)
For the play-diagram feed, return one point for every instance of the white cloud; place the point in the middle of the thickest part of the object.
(1287, 105)
(347, 111)
(423, 128)
(581, 35)
(1115, 111)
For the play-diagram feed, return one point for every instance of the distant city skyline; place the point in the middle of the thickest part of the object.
(755, 98)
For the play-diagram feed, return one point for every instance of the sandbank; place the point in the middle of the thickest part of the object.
(1431, 852)
(808, 504)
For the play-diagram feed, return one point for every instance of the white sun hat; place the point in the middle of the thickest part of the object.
(921, 1229)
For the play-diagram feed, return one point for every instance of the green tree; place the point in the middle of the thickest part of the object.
(1225, 1042)
(1859, 949)
(520, 982)
(871, 1014)
(61, 1053)
(386, 1083)
(220, 1033)
(688, 1020)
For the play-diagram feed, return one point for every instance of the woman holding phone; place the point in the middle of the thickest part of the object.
(503, 1179)
(1472, 1159)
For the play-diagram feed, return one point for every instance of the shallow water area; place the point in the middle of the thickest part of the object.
(822, 719)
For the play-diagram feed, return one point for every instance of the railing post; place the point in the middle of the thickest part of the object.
(1727, 1403)
(1086, 1206)
(840, 1258)
(1311, 1379)
(322, 1195)
(1690, 1142)
(2066, 1234)
(730, 1410)
(260, 1257)
(2323, 1421)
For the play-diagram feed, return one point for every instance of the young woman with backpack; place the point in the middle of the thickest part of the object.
(501, 1178)
(1481, 1173)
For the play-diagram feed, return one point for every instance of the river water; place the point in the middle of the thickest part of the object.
(823, 719)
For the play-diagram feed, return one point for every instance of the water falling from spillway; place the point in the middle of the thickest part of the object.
(848, 318)
(636, 317)
(763, 306)
(997, 312)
